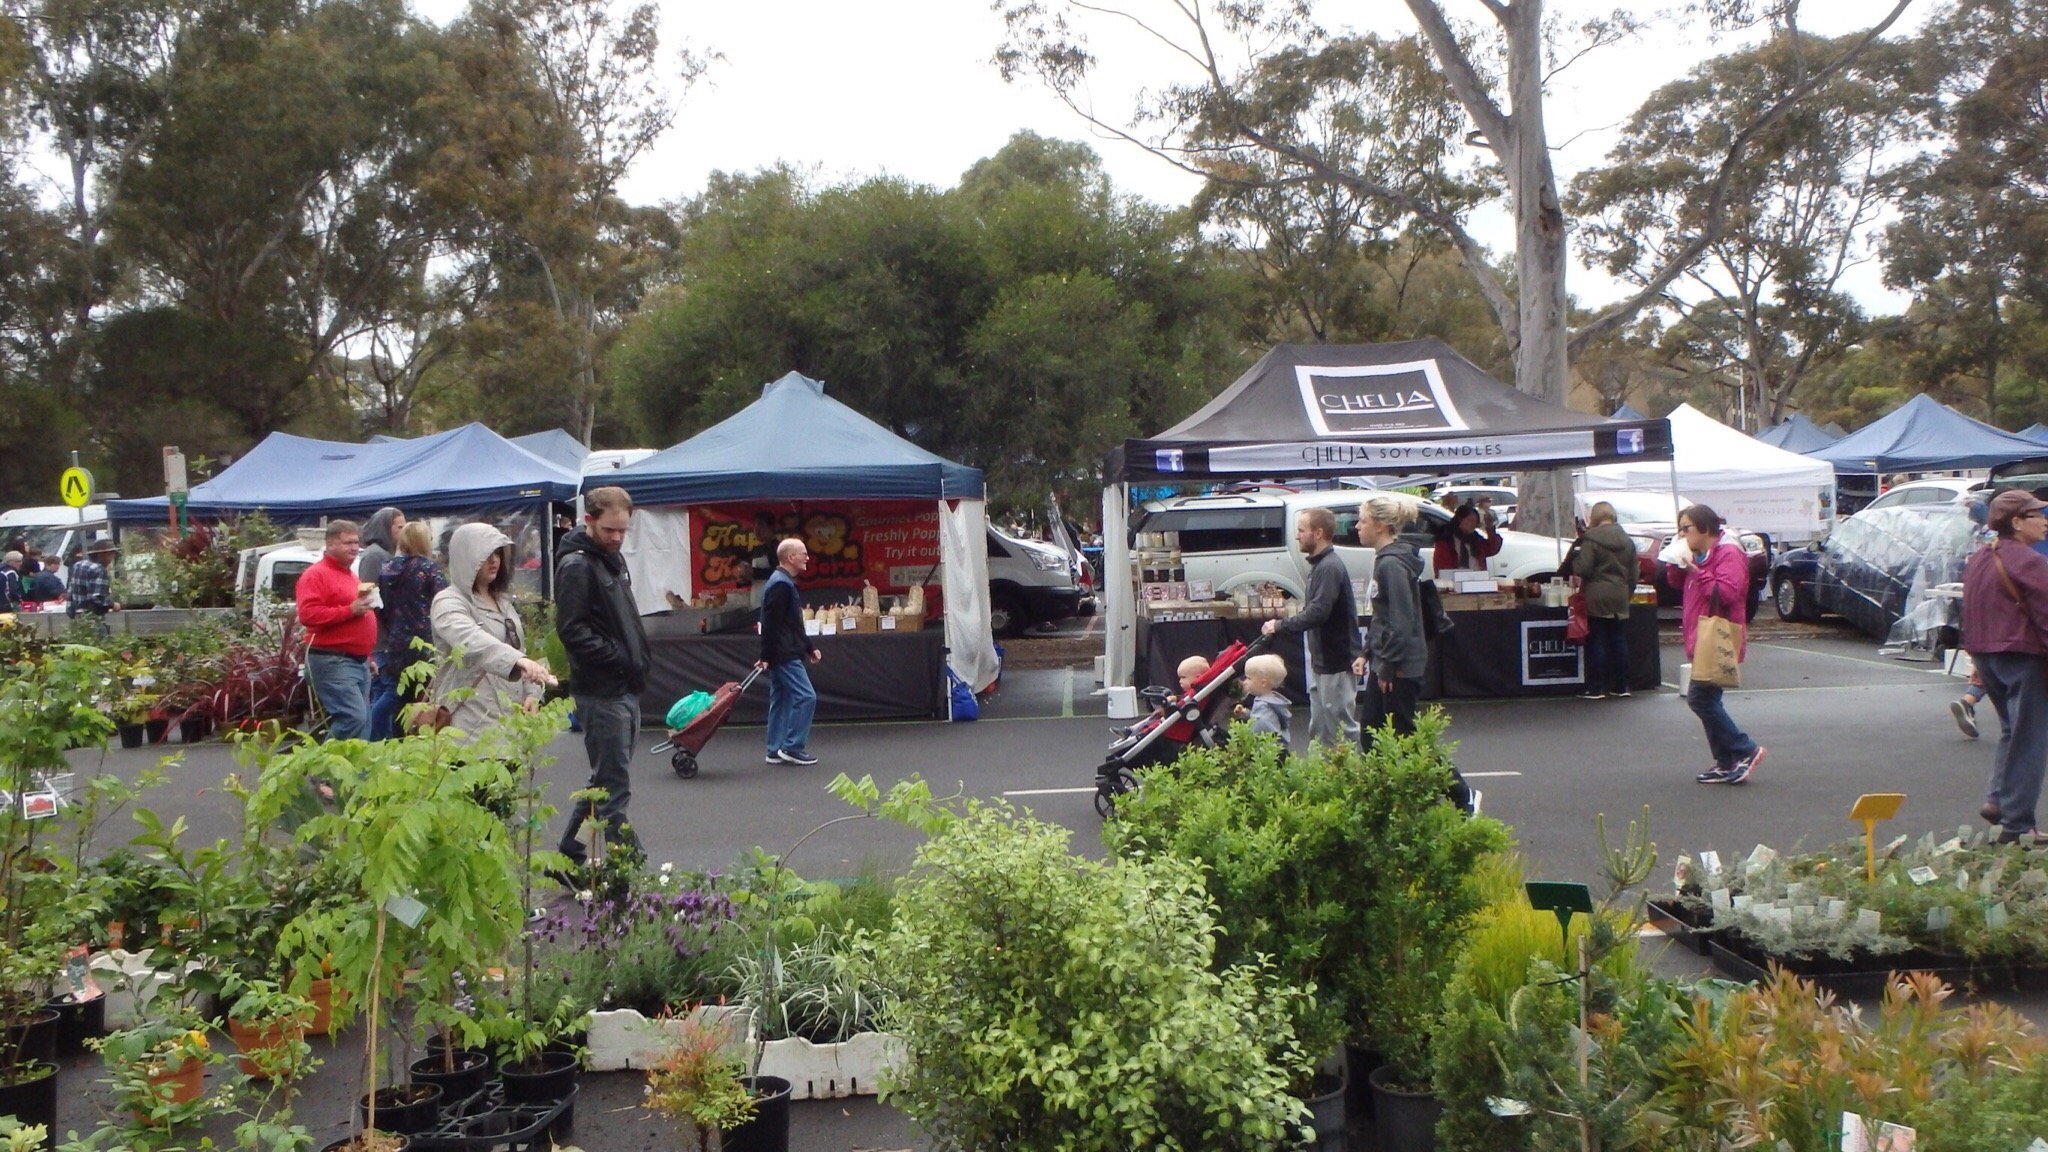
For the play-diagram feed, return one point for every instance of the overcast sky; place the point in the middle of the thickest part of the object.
(855, 88)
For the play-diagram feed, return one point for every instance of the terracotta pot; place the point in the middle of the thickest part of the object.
(321, 993)
(253, 1038)
(177, 1087)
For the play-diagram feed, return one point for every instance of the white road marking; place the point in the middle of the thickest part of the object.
(1485, 775)
(1047, 791)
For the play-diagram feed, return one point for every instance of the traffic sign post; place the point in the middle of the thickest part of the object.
(75, 486)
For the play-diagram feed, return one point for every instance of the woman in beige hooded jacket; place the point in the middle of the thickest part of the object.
(481, 642)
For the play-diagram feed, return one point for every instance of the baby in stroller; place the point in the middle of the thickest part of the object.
(1200, 714)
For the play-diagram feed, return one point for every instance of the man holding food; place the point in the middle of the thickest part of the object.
(341, 631)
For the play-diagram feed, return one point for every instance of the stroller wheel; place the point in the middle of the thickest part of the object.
(685, 764)
(1113, 781)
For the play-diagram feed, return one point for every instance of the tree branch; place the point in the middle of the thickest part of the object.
(1713, 217)
(1459, 70)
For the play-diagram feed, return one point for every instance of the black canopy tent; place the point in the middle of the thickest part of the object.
(1331, 410)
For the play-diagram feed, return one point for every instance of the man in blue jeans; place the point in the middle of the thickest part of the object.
(599, 623)
(785, 650)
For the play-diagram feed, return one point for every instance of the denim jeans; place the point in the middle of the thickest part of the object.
(791, 704)
(342, 685)
(1607, 654)
(2019, 691)
(610, 726)
(383, 705)
(1724, 739)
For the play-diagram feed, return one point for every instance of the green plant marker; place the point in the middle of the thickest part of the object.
(1871, 808)
(1561, 898)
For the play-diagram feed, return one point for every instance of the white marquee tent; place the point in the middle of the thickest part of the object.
(1750, 483)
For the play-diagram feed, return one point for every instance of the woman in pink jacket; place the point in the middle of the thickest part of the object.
(1716, 584)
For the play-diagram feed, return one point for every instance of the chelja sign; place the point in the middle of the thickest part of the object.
(1366, 398)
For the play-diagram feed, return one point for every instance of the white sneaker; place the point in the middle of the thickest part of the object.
(1966, 716)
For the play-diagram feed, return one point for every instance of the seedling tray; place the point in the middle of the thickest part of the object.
(1861, 977)
(484, 1122)
(1689, 927)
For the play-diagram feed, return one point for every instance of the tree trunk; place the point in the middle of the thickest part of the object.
(1541, 366)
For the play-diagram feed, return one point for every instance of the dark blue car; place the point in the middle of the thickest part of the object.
(1866, 569)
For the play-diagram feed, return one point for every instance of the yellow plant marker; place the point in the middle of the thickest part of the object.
(1872, 808)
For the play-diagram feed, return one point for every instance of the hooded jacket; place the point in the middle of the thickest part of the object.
(1396, 646)
(380, 543)
(1604, 559)
(480, 646)
(598, 621)
(1329, 615)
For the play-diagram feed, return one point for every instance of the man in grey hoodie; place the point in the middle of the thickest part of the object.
(380, 542)
(1329, 621)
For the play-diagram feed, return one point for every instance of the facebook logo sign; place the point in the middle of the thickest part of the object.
(1628, 441)
(1169, 460)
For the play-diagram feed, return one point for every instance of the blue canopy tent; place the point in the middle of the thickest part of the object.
(556, 447)
(2036, 432)
(1627, 412)
(469, 472)
(796, 443)
(1797, 434)
(1922, 435)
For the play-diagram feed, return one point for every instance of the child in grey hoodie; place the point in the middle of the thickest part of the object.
(1263, 704)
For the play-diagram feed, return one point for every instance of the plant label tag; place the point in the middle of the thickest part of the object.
(1837, 910)
(405, 910)
(1805, 911)
(1996, 915)
(1895, 1138)
(1963, 832)
(2039, 1145)
(1740, 901)
(1939, 917)
(1505, 1106)
(38, 805)
(1760, 858)
(1721, 900)
(78, 981)
(1922, 875)
(1869, 919)
(1954, 844)
(1855, 1133)
(1897, 843)
(1795, 890)
(1962, 879)
(1779, 916)
(1711, 861)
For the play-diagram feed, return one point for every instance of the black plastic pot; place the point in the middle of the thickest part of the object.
(549, 1076)
(1358, 1066)
(472, 1070)
(1403, 1121)
(155, 730)
(77, 1022)
(33, 1101)
(1325, 1130)
(405, 1110)
(768, 1131)
(32, 1036)
(131, 735)
(193, 729)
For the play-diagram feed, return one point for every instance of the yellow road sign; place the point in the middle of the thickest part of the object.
(75, 485)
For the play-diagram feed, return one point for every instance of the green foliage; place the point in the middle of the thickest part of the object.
(1053, 1002)
(698, 1080)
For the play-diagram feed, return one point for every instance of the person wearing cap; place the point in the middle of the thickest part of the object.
(2005, 631)
(10, 581)
(91, 589)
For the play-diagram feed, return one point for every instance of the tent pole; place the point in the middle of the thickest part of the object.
(1675, 509)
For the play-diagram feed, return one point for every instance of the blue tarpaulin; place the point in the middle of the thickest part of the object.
(794, 443)
(294, 478)
(556, 447)
(1797, 434)
(1922, 435)
(2038, 433)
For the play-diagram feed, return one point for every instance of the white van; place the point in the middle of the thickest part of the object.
(1237, 539)
(1029, 583)
(54, 529)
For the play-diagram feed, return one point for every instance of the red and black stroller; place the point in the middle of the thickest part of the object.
(1203, 717)
(689, 740)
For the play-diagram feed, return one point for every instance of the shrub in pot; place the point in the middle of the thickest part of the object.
(268, 1026)
(158, 1069)
(699, 1082)
(1049, 1001)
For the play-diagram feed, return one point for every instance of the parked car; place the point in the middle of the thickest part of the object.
(1865, 569)
(1939, 490)
(1030, 583)
(1498, 497)
(55, 529)
(1233, 540)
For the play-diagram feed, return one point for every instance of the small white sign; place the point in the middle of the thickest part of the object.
(1722, 901)
(1922, 875)
(888, 623)
(405, 910)
(38, 805)
(1996, 915)
(1869, 919)
(1711, 861)
(1837, 910)
(1939, 917)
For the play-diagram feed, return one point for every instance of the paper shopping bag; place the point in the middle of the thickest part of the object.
(1716, 649)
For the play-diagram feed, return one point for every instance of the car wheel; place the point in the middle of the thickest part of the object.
(1791, 600)
(1006, 614)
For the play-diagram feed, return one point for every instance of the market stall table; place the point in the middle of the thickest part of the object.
(869, 676)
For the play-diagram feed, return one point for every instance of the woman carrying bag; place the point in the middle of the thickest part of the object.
(1603, 562)
(485, 671)
(1716, 598)
(2005, 605)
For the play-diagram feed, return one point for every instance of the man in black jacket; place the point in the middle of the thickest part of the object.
(599, 624)
(785, 650)
(1329, 618)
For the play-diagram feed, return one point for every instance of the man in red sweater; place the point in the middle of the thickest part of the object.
(341, 632)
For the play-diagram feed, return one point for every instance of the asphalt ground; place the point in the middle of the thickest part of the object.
(1838, 719)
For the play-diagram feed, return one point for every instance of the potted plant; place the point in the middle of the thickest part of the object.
(159, 1069)
(1050, 1001)
(268, 1026)
(701, 1082)
(46, 708)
